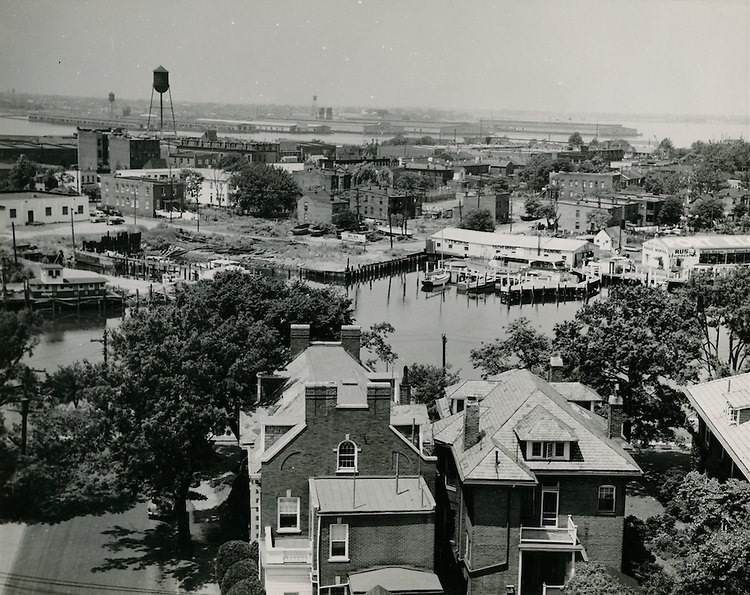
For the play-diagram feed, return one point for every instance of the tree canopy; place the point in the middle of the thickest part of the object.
(523, 346)
(22, 174)
(478, 220)
(20, 334)
(264, 190)
(706, 210)
(671, 211)
(575, 140)
(428, 383)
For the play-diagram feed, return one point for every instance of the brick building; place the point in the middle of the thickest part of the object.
(335, 464)
(575, 185)
(93, 152)
(319, 206)
(529, 483)
(374, 202)
(573, 214)
(723, 436)
(127, 152)
(208, 150)
(147, 194)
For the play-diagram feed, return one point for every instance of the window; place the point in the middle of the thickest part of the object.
(80, 209)
(12, 213)
(450, 474)
(347, 457)
(547, 450)
(288, 514)
(559, 449)
(467, 548)
(536, 449)
(606, 498)
(339, 540)
(48, 211)
(65, 210)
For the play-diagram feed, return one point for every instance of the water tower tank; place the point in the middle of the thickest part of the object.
(161, 79)
(111, 97)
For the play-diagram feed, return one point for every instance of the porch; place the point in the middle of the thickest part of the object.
(286, 564)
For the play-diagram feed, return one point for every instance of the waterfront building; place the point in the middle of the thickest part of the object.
(722, 435)
(142, 193)
(453, 241)
(341, 475)
(214, 189)
(93, 153)
(58, 282)
(46, 150)
(573, 215)
(38, 207)
(208, 150)
(681, 255)
(528, 484)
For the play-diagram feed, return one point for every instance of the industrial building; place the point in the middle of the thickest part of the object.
(38, 207)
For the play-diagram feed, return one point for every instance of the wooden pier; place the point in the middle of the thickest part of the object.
(541, 291)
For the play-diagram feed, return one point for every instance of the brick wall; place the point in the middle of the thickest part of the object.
(380, 540)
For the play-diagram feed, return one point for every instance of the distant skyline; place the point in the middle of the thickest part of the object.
(679, 57)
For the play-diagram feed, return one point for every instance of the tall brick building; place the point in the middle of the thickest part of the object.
(528, 484)
(336, 466)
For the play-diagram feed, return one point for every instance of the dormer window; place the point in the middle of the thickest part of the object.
(346, 457)
(548, 450)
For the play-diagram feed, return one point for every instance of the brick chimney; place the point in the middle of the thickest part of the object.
(471, 422)
(351, 339)
(299, 338)
(555, 368)
(379, 395)
(614, 416)
(320, 399)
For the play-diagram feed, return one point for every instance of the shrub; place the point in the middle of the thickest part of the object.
(230, 553)
(247, 586)
(238, 571)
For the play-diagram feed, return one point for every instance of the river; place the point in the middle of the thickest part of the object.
(420, 318)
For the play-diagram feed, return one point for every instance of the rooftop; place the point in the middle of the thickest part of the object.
(508, 240)
(394, 579)
(367, 495)
(702, 242)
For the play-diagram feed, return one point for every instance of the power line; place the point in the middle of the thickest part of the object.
(36, 584)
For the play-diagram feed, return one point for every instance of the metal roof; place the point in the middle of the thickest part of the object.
(394, 579)
(710, 401)
(702, 242)
(488, 238)
(367, 495)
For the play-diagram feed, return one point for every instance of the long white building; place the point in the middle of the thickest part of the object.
(681, 255)
(453, 241)
(35, 207)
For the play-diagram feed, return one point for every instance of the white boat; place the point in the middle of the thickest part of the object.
(435, 278)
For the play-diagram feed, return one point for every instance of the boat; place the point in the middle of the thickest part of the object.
(435, 278)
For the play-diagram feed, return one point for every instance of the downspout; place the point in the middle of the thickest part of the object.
(316, 559)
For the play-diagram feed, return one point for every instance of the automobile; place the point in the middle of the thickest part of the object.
(300, 230)
(316, 232)
(159, 510)
(98, 218)
(114, 220)
(35, 223)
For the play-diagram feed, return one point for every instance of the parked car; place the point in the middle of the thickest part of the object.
(300, 230)
(114, 220)
(97, 217)
(35, 223)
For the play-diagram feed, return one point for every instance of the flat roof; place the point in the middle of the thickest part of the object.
(489, 238)
(395, 579)
(363, 495)
(699, 242)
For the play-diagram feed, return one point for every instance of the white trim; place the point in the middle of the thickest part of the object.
(345, 557)
(599, 498)
(279, 528)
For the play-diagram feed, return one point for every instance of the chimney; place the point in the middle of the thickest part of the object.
(320, 399)
(555, 368)
(471, 422)
(379, 395)
(404, 393)
(299, 338)
(350, 339)
(614, 416)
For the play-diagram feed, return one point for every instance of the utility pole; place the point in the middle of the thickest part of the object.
(103, 341)
(73, 233)
(15, 250)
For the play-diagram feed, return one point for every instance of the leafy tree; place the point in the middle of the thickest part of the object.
(428, 383)
(662, 182)
(365, 174)
(522, 347)
(706, 210)
(50, 181)
(20, 334)
(723, 311)
(666, 149)
(671, 211)
(533, 206)
(193, 183)
(72, 384)
(238, 571)
(346, 220)
(93, 192)
(231, 552)
(575, 140)
(375, 341)
(709, 178)
(264, 190)
(594, 165)
(412, 182)
(598, 219)
(592, 578)
(604, 347)
(22, 174)
(478, 220)
(536, 173)
(739, 211)
(247, 586)
(399, 139)
(232, 162)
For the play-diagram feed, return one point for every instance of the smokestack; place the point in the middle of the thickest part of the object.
(405, 388)
(555, 368)
(471, 422)
(299, 338)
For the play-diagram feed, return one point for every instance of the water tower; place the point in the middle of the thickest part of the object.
(112, 106)
(161, 86)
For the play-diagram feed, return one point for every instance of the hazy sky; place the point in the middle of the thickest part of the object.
(564, 56)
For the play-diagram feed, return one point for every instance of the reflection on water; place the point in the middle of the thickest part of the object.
(419, 317)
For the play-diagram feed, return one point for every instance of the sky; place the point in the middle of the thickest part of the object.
(559, 56)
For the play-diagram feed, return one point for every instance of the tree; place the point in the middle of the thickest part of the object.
(709, 177)
(237, 572)
(346, 220)
(72, 384)
(428, 383)
(522, 347)
(193, 183)
(20, 334)
(22, 174)
(723, 311)
(478, 220)
(232, 162)
(598, 219)
(375, 341)
(536, 173)
(264, 190)
(365, 173)
(412, 182)
(231, 552)
(666, 149)
(93, 192)
(593, 578)
(533, 206)
(247, 586)
(706, 210)
(671, 211)
(604, 347)
(662, 182)
(50, 180)
(575, 140)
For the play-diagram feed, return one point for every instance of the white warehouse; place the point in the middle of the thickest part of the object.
(36, 207)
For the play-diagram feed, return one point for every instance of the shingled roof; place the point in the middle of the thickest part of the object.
(520, 406)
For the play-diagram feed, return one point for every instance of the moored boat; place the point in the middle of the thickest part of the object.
(435, 279)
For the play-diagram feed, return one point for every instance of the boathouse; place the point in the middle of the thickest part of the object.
(452, 241)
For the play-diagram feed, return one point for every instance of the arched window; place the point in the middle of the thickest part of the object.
(347, 457)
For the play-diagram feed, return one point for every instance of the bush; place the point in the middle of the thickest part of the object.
(247, 586)
(230, 553)
(238, 571)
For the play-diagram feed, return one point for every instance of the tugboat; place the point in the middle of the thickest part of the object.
(435, 279)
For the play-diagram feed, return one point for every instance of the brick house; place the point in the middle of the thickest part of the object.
(336, 465)
(528, 483)
(723, 432)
